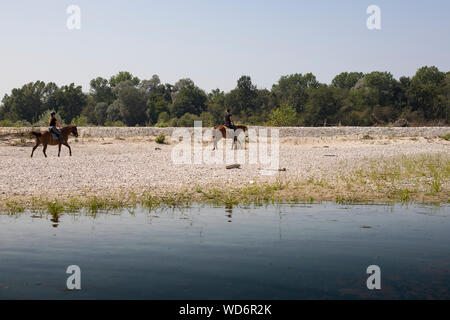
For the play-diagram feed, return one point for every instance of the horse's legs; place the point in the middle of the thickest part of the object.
(45, 149)
(234, 138)
(67, 145)
(216, 138)
(34, 148)
(59, 148)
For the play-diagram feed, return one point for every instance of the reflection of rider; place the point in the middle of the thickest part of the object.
(53, 123)
(228, 121)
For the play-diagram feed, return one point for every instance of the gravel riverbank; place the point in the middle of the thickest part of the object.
(104, 164)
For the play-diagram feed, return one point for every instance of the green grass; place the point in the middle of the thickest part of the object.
(13, 207)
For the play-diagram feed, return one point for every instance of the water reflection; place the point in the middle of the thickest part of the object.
(294, 251)
(229, 211)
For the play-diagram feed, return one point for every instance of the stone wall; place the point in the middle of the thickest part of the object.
(112, 132)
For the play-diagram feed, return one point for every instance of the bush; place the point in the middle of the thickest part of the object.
(284, 116)
(160, 139)
(173, 122)
(163, 117)
(20, 123)
(114, 124)
(6, 123)
(80, 121)
(187, 120)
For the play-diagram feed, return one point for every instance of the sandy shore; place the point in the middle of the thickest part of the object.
(110, 166)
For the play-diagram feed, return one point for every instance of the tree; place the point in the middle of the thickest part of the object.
(216, 105)
(132, 106)
(151, 86)
(322, 107)
(101, 91)
(379, 88)
(156, 105)
(123, 76)
(70, 101)
(346, 80)
(26, 103)
(100, 112)
(427, 93)
(189, 99)
(241, 100)
(292, 89)
(113, 112)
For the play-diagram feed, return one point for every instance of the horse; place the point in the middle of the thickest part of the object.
(45, 137)
(223, 130)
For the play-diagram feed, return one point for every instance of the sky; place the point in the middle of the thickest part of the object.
(214, 42)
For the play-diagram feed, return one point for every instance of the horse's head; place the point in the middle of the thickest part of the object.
(75, 131)
(243, 128)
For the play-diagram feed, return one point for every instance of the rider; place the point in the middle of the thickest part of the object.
(54, 124)
(228, 121)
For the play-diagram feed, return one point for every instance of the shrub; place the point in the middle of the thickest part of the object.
(163, 117)
(80, 121)
(173, 122)
(187, 120)
(114, 124)
(160, 139)
(207, 119)
(284, 116)
(6, 123)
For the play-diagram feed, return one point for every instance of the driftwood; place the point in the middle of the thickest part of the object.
(234, 166)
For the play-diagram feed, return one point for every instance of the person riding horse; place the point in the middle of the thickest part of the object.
(54, 124)
(228, 120)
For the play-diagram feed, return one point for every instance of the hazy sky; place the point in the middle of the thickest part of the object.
(214, 42)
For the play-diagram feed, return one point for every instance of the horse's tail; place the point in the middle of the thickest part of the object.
(36, 134)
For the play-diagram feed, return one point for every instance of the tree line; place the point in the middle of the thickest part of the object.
(352, 99)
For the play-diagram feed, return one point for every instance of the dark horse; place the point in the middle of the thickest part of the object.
(45, 137)
(223, 130)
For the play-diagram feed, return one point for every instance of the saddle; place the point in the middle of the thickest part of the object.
(53, 135)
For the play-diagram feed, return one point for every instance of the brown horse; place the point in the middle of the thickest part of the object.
(223, 130)
(45, 137)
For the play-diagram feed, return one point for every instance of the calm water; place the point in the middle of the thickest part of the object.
(282, 252)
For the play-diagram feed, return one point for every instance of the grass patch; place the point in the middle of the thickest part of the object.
(14, 207)
(367, 137)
